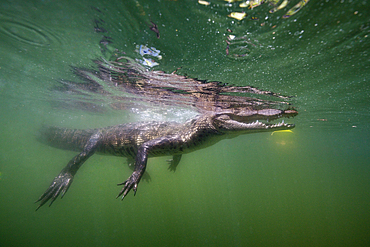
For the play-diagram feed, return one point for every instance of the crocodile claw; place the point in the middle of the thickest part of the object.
(59, 186)
(172, 166)
(130, 183)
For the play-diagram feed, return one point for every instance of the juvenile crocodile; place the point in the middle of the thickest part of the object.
(222, 114)
(139, 141)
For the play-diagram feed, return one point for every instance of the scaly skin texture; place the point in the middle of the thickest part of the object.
(223, 112)
(139, 141)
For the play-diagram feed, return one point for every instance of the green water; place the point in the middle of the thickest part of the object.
(306, 188)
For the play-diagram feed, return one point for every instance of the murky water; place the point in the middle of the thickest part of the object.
(306, 188)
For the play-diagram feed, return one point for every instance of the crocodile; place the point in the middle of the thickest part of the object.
(221, 115)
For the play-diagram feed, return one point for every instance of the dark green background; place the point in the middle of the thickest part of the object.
(306, 188)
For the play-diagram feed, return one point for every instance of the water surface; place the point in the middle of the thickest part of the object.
(306, 188)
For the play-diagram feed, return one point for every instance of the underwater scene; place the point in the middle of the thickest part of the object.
(223, 123)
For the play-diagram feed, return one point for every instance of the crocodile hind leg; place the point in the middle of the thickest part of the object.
(63, 181)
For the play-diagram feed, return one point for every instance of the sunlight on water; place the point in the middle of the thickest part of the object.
(307, 187)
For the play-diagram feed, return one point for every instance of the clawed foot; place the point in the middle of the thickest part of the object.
(130, 183)
(172, 165)
(59, 186)
(174, 162)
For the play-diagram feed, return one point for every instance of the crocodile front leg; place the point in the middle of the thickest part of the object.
(63, 181)
(141, 160)
(174, 162)
(140, 165)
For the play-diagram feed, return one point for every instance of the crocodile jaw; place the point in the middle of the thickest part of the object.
(225, 124)
(257, 125)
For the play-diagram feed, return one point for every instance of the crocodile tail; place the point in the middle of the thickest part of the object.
(68, 139)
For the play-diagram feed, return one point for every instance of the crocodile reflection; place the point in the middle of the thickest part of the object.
(224, 111)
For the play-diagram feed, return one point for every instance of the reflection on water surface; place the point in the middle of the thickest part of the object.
(306, 188)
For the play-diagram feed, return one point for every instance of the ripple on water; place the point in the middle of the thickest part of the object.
(25, 31)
